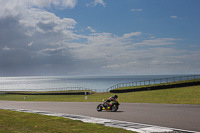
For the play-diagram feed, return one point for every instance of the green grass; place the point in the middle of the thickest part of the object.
(183, 95)
(18, 122)
(11, 121)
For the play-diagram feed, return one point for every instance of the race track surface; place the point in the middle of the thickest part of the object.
(186, 117)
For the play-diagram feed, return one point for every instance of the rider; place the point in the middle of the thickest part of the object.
(107, 102)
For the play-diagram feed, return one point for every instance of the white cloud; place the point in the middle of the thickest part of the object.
(40, 37)
(154, 61)
(128, 35)
(119, 66)
(110, 49)
(97, 2)
(157, 42)
(34, 35)
(136, 10)
(30, 44)
(91, 29)
(36, 19)
(6, 48)
(17, 7)
(174, 17)
(35, 16)
(121, 54)
(99, 46)
(51, 51)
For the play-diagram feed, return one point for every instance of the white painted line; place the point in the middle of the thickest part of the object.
(137, 127)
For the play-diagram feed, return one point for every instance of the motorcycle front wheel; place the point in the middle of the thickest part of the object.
(114, 108)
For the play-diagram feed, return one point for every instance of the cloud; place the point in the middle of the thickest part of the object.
(157, 42)
(154, 61)
(97, 2)
(51, 51)
(7, 48)
(31, 38)
(120, 66)
(128, 35)
(43, 47)
(174, 17)
(104, 46)
(120, 54)
(30, 44)
(136, 10)
(17, 7)
(46, 26)
(44, 21)
(34, 41)
(91, 29)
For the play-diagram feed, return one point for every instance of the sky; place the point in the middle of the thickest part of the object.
(99, 37)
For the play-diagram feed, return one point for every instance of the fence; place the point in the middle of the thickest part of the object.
(52, 89)
(153, 81)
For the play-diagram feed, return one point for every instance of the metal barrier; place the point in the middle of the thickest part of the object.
(153, 81)
(52, 89)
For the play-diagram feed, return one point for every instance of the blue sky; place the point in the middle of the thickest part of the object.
(151, 16)
(99, 37)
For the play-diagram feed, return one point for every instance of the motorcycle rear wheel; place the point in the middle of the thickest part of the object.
(100, 107)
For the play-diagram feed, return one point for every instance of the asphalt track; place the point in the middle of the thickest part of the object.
(186, 117)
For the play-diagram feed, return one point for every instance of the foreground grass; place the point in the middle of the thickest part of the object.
(183, 95)
(12, 121)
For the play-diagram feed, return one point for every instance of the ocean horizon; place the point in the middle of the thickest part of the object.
(47, 83)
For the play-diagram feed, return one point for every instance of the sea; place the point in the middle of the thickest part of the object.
(53, 83)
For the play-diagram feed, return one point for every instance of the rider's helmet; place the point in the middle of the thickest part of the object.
(115, 96)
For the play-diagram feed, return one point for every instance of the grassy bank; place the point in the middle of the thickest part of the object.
(183, 95)
(162, 85)
(18, 122)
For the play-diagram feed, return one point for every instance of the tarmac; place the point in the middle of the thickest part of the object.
(176, 117)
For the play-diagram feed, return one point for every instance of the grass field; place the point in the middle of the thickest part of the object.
(183, 95)
(12, 121)
(18, 122)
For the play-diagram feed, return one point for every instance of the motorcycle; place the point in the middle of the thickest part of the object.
(112, 106)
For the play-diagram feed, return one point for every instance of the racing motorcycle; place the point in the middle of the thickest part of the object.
(112, 106)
